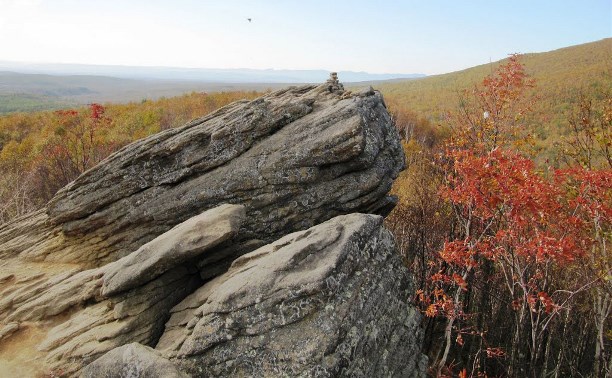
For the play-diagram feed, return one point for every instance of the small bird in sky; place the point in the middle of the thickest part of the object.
(248, 19)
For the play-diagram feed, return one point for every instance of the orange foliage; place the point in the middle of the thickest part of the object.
(41, 152)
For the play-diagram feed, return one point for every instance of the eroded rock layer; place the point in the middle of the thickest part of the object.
(132, 360)
(84, 314)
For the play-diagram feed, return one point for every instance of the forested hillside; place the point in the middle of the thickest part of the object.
(561, 78)
(21, 92)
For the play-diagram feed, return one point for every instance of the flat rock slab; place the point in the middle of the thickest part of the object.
(174, 247)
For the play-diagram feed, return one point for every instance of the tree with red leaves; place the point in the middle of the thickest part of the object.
(589, 182)
(518, 229)
(76, 144)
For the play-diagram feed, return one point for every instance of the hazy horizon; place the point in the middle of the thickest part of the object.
(43, 64)
(52, 63)
(195, 75)
(144, 71)
(400, 37)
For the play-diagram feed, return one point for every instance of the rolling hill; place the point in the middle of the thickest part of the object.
(561, 76)
(206, 75)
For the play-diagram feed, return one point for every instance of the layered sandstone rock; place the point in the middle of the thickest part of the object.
(136, 251)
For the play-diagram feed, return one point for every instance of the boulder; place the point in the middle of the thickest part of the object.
(330, 301)
(132, 360)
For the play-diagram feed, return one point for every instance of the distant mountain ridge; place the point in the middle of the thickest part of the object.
(209, 75)
(34, 92)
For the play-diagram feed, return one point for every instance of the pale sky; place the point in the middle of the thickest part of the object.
(428, 37)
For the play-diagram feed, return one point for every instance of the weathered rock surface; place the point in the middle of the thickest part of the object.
(294, 158)
(132, 360)
(329, 301)
(181, 244)
(122, 302)
(154, 228)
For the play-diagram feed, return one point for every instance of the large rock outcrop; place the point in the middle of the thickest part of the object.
(136, 250)
(294, 158)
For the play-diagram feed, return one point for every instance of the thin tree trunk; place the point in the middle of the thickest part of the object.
(514, 367)
(560, 354)
(546, 356)
(447, 337)
(603, 304)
